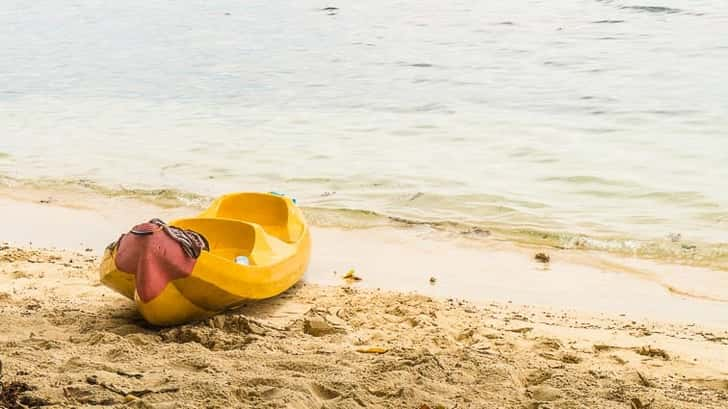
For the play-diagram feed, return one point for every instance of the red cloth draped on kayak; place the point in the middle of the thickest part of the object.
(156, 254)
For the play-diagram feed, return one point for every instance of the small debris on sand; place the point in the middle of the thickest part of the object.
(653, 352)
(372, 350)
(542, 257)
(351, 276)
(479, 231)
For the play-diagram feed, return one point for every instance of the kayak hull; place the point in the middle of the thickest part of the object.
(267, 229)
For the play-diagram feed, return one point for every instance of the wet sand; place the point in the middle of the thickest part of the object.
(480, 268)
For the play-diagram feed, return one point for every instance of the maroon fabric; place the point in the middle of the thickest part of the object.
(192, 242)
(154, 257)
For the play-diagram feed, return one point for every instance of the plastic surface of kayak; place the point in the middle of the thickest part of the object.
(170, 287)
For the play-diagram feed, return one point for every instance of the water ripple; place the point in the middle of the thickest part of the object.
(653, 9)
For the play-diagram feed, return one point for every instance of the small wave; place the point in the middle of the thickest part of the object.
(343, 217)
(316, 180)
(525, 152)
(587, 180)
(607, 21)
(599, 193)
(653, 9)
(672, 112)
(673, 197)
(405, 132)
(167, 198)
(433, 107)
(648, 9)
(662, 10)
(555, 63)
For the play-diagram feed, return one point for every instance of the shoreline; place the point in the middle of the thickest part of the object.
(67, 341)
(405, 260)
(663, 248)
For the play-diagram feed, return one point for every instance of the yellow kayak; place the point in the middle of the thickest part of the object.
(245, 246)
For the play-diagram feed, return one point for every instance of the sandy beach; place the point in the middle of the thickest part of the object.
(73, 343)
(67, 341)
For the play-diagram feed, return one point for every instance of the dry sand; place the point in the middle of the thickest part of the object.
(74, 343)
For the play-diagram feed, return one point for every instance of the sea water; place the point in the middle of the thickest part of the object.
(573, 123)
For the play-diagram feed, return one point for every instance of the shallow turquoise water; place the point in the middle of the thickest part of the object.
(599, 119)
